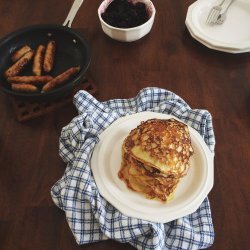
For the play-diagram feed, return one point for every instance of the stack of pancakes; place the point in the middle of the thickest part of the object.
(155, 155)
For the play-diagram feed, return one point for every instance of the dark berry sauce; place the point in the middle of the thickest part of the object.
(125, 14)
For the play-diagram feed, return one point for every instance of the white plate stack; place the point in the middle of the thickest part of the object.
(233, 36)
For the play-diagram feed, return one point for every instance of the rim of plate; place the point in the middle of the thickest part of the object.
(218, 48)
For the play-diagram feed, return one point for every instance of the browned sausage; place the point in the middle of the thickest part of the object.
(60, 79)
(18, 66)
(49, 56)
(38, 60)
(30, 79)
(19, 53)
(23, 87)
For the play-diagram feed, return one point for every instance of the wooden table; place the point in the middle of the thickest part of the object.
(168, 58)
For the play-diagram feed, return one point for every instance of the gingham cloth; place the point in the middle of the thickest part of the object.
(90, 217)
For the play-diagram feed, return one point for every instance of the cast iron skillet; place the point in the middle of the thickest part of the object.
(71, 50)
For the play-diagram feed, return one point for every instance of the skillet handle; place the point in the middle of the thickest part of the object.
(74, 8)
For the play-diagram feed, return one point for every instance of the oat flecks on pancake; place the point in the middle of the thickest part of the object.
(155, 155)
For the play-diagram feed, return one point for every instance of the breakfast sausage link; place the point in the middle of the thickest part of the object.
(49, 56)
(24, 87)
(29, 79)
(60, 79)
(19, 53)
(18, 66)
(38, 60)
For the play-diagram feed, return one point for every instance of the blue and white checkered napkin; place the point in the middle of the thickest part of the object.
(90, 217)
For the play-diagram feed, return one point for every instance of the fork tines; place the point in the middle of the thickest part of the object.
(214, 13)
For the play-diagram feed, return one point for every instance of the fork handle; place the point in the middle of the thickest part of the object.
(225, 11)
(222, 3)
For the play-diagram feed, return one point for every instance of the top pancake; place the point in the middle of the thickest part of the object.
(161, 144)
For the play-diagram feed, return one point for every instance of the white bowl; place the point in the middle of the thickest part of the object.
(129, 34)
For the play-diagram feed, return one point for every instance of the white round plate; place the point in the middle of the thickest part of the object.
(191, 190)
(233, 51)
(232, 36)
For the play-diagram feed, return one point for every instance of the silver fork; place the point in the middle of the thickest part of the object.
(214, 13)
(222, 17)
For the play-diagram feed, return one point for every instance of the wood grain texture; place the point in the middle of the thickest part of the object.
(169, 58)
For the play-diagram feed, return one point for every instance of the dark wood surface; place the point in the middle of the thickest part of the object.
(169, 58)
